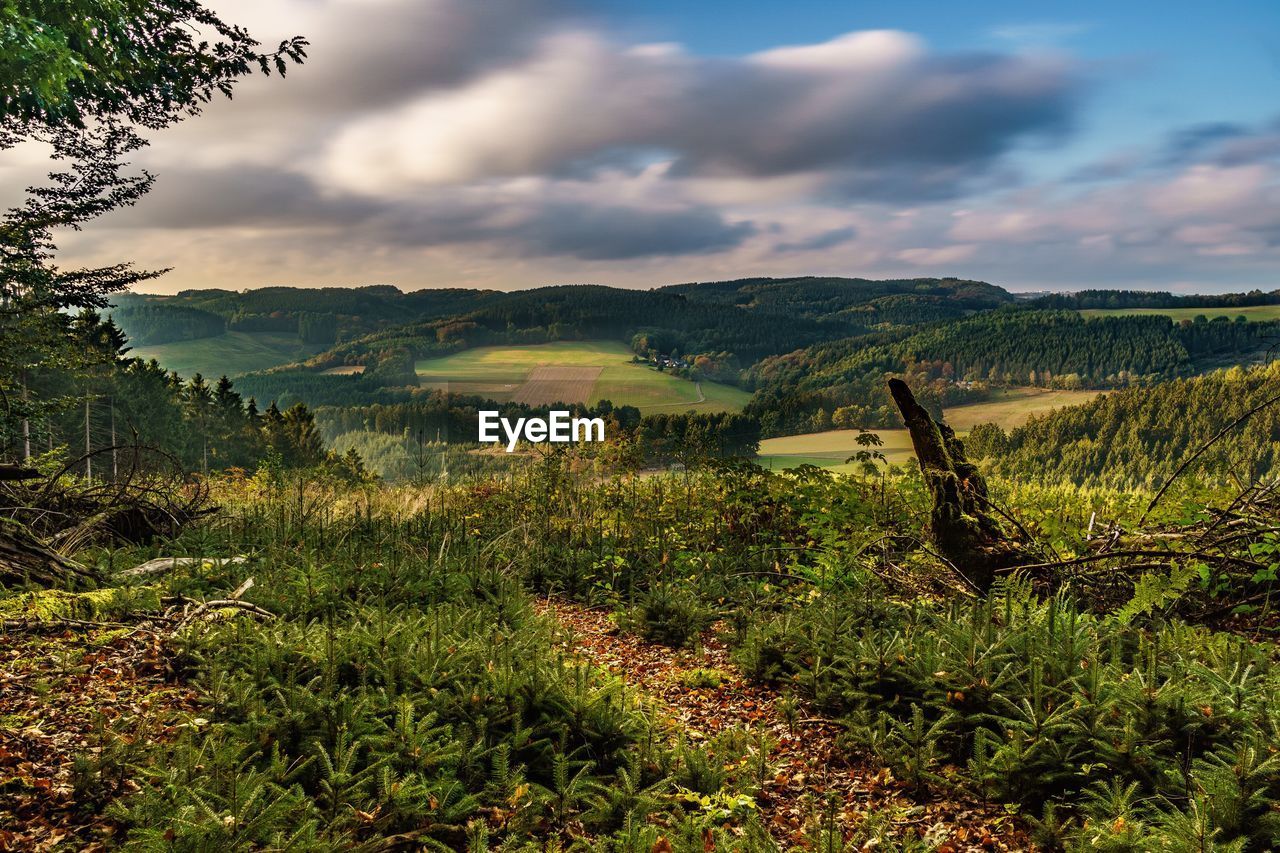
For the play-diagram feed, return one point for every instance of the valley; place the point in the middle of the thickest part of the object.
(544, 427)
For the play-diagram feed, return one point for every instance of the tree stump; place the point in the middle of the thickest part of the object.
(962, 524)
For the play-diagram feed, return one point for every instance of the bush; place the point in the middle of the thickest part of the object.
(671, 615)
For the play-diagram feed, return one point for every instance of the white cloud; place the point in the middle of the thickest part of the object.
(520, 142)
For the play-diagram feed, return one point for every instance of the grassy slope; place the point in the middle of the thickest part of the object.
(1253, 312)
(231, 354)
(830, 449)
(497, 372)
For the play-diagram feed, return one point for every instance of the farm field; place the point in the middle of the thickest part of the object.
(1253, 312)
(553, 383)
(573, 371)
(831, 448)
(1013, 407)
(232, 353)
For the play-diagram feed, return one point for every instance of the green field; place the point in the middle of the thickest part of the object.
(1012, 407)
(499, 373)
(830, 449)
(1252, 312)
(231, 354)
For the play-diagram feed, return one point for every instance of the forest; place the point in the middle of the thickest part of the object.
(951, 363)
(305, 610)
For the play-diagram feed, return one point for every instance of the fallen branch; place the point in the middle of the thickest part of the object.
(25, 559)
(205, 610)
(161, 565)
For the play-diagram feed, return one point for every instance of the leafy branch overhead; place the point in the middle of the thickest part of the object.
(142, 62)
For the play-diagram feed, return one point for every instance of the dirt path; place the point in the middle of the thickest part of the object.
(807, 763)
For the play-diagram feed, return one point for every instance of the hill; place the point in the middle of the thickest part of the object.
(857, 300)
(733, 324)
(841, 383)
(1139, 437)
(230, 353)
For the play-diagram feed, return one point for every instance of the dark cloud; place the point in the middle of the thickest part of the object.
(593, 232)
(259, 197)
(918, 112)
(366, 55)
(825, 240)
(243, 196)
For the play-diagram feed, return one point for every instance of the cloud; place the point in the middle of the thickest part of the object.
(516, 142)
(1224, 144)
(858, 104)
(532, 220)
(938, 255)
(1039, 35)
(620, 233)
(826, 240)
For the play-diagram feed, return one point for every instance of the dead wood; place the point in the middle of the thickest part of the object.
(164, 565)
(967, 534)
(24, 560)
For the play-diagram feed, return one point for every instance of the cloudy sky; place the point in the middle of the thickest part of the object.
(516, 143)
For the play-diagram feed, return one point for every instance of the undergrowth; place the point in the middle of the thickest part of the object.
(407, 693)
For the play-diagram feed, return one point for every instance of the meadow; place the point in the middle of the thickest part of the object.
(720, 659)
(230, 354)
(505, 373)
(1254, 313)
(830, 449)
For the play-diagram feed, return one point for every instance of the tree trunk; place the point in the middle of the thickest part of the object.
(88, 448)
(26, 420)
(23, 560)
(962, 524)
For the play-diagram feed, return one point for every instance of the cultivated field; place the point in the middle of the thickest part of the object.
(558, 384)
(1013, 407)
(830, 449)
(232, 353)
(520, 373)
(1252, 312)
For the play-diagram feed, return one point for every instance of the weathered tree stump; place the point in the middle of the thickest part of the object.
(964, 528)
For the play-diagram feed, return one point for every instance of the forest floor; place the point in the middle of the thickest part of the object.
(808, 765)
(74, 707)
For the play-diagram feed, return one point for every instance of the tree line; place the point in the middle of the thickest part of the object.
(1155, 299)
(962, 361)
(107, 414)
(1139, 437)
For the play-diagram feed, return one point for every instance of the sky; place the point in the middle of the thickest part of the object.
(517, 143)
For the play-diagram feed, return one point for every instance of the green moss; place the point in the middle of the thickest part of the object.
(100, 604)
(702, 677)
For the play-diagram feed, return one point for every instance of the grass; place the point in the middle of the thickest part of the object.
(1012, 407)
(231, 354)
(1255, 313)
(498, 372)
(830, 449)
